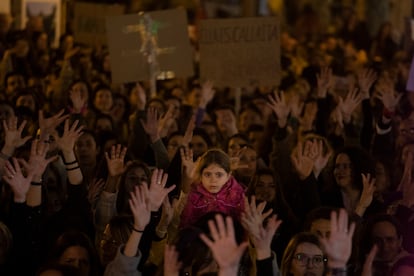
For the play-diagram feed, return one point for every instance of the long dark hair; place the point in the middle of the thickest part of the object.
(122, 205)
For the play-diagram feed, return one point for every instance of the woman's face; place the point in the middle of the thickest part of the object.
(86, 149)
(213, 178)
(198, 145)
(265, 189)
(6, 112)
(41, 42)
(135, 176)
(173, 144)
(343, 171)
(175, 105)
(248, 118)
(103, 100)
(118, 109)
(235, 145)
(83, 90)
(76, 256)
(248, 158)
(26, 101)
(307, 260)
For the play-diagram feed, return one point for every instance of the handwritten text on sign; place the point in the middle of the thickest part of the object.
(240, 52)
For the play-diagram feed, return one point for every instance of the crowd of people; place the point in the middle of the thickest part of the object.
(313, 177)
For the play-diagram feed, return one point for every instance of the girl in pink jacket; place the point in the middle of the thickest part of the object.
(216, 190)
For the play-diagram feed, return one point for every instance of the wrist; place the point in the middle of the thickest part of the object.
(19, 199)
(154, 138)
(8, 150)
(227, 271)
(37, 179)
(262, 254)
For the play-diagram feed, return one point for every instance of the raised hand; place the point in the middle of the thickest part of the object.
(325, 81)
(321, 159)
(18, 183)
(406, 185)
(365, 80)
(141, 96)
(140, 207)
(296, 106)
(151, 125)
(171, 264)
(207, 93)
(388, 96)
(48, 125)
(252, 220)
(188, 135)
(116, 160)
(157, 190)
(351, 102)
(279, 106)
(367, 193)
(67, 141)
(188, 163)
(166, 216)
(367, 268)
(166, 122)
(13, 134)
(78, 102)
(94, 190)
(226, 252)
(338, 246)
(303, 164)
(37, 163)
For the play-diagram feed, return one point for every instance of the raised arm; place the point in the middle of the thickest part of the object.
(338, 246)
(36, 166)
(66, 144)
(226, 252)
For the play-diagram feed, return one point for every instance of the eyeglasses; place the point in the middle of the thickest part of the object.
(304, 259)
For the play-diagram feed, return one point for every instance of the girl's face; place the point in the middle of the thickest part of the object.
(103, 100)
(307, 260)
(343, 171)
(265, 188)
(76, 256)
(213, 178)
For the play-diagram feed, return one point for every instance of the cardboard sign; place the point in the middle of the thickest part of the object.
(240, 52)
(89, 21)
(131, 40)
(5, 6)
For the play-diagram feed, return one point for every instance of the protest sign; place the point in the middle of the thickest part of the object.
(158, 38)
(240, 52)
(48, 13)
(5, 6)
(89, 21)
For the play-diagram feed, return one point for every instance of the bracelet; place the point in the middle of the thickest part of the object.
(69, 163)
(136, 230)
(340, 271)
(36, 183)
(4, 156)
(74, 168)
